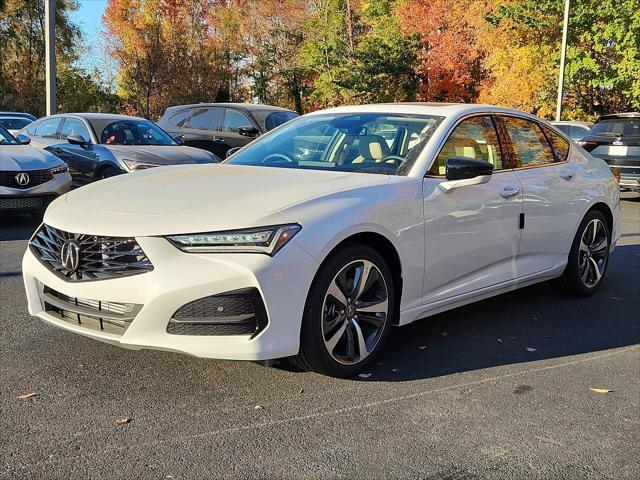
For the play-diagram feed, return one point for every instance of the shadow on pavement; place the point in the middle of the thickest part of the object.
(500, 330)
(17, 227)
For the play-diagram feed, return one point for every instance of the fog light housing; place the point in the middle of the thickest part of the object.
(239, 312)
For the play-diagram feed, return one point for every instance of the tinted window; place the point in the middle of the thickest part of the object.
(205, 119)
(341, 142)
(617, 127)
(6, 138)
(179, 119)
(560, 145)
(530, 146)
(275, 119)
(48, 128)
(14, 123)
(234, 121)
(135, 132)
(475, 138)
(73, 126)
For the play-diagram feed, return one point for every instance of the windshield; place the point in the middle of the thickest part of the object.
(14, 123)
(135, 132)
(6, 138)
(369, 142)
(617, 127)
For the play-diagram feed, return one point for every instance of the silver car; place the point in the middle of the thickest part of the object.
(100, 145)
(30, 178)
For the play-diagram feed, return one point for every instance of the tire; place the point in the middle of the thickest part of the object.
(107, 172)
(586, 265)
(338, 337)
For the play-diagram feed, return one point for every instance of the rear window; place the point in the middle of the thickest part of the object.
(617, 127)
(275, 119)
(15, 123)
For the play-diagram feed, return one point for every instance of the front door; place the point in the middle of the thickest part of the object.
(472, 232)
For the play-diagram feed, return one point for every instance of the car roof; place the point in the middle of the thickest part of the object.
(18, 114)
(98, 116)
(242, 106)
(620, 115)
(571, 122)
(426, 108)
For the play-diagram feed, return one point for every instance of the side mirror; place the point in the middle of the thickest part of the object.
(464, 171)
(248, 131)
(23, 139)
(179, 139)
(77, 140)
(231, 151)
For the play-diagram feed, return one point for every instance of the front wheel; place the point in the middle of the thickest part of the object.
(348, 314)
(589, 256)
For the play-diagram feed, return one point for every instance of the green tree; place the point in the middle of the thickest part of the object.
(22, 51)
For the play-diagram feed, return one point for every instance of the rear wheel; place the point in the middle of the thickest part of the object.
(589, 256)
(348, 314)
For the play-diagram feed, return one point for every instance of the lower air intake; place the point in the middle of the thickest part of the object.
(240, 312)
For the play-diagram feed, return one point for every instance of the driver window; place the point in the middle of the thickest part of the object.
(73, 126)
(475, 138)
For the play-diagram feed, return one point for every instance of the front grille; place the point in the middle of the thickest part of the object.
(109, 317)
(240, 312)
(98, 257)
(33, 177)
(21, 203)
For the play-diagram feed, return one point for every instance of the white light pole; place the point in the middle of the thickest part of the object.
(50, 54)
(563, 54)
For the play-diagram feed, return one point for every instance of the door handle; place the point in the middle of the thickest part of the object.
(218, 139)
(509, 192)
(566, 174)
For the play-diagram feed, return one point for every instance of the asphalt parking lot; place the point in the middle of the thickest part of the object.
(499, 389)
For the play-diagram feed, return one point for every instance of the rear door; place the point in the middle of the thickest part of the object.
(201, 130)
(540, 158)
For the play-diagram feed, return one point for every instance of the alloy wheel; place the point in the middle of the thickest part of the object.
(354, 313)
(593, 253)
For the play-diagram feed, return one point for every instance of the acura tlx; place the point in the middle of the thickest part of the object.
(317, 238)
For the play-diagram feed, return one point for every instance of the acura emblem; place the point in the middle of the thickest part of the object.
(22, 179)
(70, 255)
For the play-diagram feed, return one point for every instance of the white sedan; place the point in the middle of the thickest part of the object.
(318, 237)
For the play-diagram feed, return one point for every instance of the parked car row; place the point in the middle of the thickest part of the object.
(97, 146)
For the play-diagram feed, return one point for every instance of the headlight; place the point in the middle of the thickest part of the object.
(59, 169)
(268, 240)
(138, 165)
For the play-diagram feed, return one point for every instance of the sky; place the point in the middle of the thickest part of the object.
(88, 18)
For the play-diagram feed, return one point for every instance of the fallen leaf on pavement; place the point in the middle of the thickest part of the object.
(499, 340)
(24, 396)
(422, 347)
(531, 349)
(395, 370)
(444, 334)
(258, 407)
(301, 390)
(364, 375)
(122, 420)
(601, 390)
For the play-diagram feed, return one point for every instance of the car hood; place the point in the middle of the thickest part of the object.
(25, 157)
(197, 198)
(160, 155)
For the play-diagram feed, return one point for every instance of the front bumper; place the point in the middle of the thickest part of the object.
(34, 198)
(629, 181)
(178, 278)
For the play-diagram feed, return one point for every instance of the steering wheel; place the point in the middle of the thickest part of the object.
(280, 158)
(397, 159)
